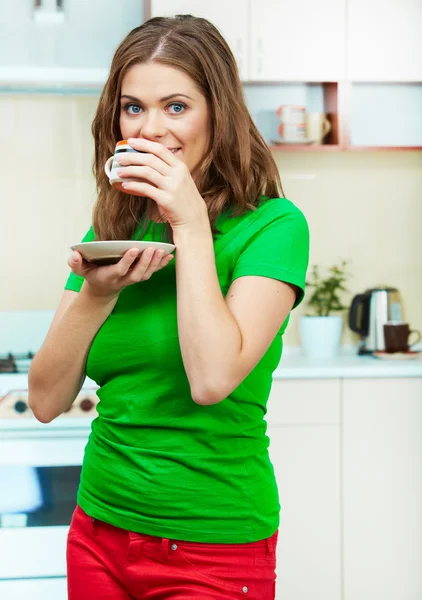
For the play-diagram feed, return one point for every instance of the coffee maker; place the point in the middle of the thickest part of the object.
(368, 313)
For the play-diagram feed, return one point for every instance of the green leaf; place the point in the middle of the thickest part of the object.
(326, 296)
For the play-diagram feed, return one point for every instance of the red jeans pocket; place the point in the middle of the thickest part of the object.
(227, 568)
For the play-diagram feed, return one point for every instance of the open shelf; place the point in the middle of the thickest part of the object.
(305, 147)
(364, 116)
(384, 148)
(338, 148)
(385, 115)
(263, 99)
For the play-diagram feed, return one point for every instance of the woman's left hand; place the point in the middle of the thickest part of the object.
(166, 179)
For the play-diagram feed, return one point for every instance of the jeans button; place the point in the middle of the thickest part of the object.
(174, 546)
(244, 589)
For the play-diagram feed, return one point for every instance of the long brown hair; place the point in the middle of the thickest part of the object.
(238, 168)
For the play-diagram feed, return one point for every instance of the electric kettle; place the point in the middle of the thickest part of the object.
(368, 313)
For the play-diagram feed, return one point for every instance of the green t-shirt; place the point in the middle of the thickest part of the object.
(156, 462)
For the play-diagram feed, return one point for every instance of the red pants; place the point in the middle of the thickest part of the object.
(108, 563)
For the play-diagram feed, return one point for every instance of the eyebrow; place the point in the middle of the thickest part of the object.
(161, 99)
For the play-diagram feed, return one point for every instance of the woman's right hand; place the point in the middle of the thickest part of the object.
(107, 281)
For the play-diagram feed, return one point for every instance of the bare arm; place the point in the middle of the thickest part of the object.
(57, 371)
(223, 339)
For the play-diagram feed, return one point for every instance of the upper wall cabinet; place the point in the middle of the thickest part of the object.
(54, 43)
(384, 40)
(232, 19)
(297, 41)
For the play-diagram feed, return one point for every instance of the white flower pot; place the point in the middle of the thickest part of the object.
(320, 336)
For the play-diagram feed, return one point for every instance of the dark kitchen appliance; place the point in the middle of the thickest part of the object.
(368, 313)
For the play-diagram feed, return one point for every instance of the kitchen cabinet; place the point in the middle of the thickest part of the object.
(47, 46)
(304, 428)
(232, 18)
(384, 40)
(35, 589)
(382, 466)
(329, 43)
(275, 40)
(371, 108)
(297, 41)
(347, 455)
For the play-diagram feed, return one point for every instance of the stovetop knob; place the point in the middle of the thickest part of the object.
(20, 406)
(86, 404)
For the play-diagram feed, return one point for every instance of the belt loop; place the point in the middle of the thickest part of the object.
(165, 548)
(134, 548)
(94, 524)
(268, 546)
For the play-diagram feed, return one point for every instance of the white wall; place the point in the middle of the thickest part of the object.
(365, 207)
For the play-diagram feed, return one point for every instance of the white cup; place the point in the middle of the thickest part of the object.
(317, 126)
(112, 165)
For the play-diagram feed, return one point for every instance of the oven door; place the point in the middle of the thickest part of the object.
(34, 589)
(39, 478)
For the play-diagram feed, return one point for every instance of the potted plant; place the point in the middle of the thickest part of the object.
(321, 332)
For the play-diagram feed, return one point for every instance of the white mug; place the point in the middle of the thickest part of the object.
(317, 126)
(112, 165)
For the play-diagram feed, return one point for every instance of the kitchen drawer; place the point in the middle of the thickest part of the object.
(304, 402)
(34, 589)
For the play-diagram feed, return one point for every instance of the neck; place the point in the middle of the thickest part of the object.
(157, 216)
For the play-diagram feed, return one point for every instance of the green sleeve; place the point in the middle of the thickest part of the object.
(74, 282)
(280, 249)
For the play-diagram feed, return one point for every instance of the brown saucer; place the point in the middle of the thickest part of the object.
(397, 355)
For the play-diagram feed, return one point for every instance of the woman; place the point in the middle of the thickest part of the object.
(177, 496)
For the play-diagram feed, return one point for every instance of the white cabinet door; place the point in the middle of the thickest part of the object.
(34, 589)
(297, 41)
(232, 19)
(384, 40)
(33, 552)
(304, 430)
(382, 462)
(82, 36)
(306, 462)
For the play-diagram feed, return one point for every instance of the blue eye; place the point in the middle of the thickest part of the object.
(179, 106)
(132, 109)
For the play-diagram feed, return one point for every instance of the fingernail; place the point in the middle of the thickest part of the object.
(74, 257)
(133, 253)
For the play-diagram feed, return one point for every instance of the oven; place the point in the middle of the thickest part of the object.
(39, 475)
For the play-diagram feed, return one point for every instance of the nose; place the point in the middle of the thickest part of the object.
(153, 125)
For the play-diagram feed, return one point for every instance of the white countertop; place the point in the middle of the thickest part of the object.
(294, 365)
(347, 364)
